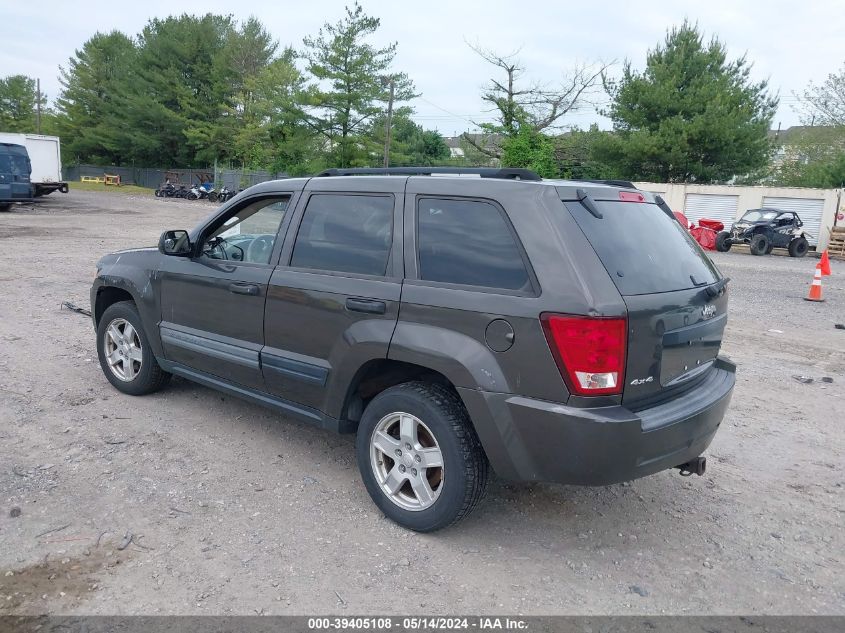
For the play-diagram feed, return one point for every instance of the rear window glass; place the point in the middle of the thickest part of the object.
(643, 249)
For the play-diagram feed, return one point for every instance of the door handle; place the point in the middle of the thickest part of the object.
(370, 306)
(244, 289)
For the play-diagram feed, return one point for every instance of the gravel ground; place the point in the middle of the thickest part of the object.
(191, 502)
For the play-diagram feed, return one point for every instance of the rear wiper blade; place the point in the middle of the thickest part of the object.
(660, 202)
(590, 204)
(714, 290)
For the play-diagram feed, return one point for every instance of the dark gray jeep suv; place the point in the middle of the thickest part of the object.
(554, 330)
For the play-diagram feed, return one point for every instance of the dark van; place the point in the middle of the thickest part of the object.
(15, 170)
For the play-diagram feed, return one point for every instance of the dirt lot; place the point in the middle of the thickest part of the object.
(235, 511)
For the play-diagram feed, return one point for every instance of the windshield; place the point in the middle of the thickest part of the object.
(759, 215)
(643, 249)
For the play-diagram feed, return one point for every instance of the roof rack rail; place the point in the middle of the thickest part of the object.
(505, 173)
(627, 184)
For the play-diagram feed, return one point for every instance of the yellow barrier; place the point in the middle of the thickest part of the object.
(92, 179)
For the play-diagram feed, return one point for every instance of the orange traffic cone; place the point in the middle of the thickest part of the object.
(825, 263)
(816, 286)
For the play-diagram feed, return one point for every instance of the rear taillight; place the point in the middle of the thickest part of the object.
(590, 352)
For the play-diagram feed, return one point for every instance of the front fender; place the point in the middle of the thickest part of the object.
(133, 272)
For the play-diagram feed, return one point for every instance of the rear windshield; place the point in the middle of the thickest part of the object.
(643, 249)
(14, 164)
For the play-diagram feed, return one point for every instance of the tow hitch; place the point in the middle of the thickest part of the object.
(695, 466)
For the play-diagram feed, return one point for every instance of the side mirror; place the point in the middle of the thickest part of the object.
(176, 243)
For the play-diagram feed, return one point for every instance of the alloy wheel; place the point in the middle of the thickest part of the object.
(406, 461)
(122, 349)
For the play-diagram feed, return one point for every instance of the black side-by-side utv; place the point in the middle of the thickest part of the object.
(764, 230)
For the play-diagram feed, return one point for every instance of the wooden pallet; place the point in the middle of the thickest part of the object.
(836, 245)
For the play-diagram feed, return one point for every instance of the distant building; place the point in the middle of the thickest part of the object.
(796, 143)
(459, 146)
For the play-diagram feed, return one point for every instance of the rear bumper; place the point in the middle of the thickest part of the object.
(46, 188)
(536, 440)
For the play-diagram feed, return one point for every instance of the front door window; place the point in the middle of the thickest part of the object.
(249, 235)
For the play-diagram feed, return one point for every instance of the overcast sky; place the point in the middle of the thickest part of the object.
(789, 43)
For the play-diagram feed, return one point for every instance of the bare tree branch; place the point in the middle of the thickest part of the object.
(540, 106)
(491, 150)
(825, 104)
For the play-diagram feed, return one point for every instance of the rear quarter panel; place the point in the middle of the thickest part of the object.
(444, 327)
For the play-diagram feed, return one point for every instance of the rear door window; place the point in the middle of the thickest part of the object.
(468, 242)
(345, 233)
(643, 249)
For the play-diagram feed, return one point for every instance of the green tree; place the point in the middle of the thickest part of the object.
(18, 104)
(90, 109)
(812, 157)
(410, 143)
(242, 73)
(180, 90)
(272, 134)
(576, 155)
(690, 116)
(529, 148)
(353, 77)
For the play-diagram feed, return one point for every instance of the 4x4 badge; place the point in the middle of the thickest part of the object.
(708, 311)
(642, 381)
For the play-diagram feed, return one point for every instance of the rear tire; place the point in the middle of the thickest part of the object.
(722, 243)
(5, 207)
(212, 197)
(798, 247)
(432, 421)
(759, 244)
(122, 371)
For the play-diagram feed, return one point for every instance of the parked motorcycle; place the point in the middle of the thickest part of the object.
(181, 192)
(168, 190)
(194, 193)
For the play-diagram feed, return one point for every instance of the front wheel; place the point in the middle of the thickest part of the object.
(192, 196)
(798, 247)
(723, 244)
(124, 351)
(419, 456)
(759, 244)
(5, 207)
(212, 196)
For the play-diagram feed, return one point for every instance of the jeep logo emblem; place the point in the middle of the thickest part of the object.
(708, 311)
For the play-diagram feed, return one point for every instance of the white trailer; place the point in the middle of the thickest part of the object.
(46, 158)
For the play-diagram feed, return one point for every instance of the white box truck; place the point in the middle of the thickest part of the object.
(46, 158)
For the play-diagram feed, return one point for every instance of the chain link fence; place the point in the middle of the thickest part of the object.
(153, 178)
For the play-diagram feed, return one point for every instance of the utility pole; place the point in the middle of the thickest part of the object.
(387, 124)
(38, 106)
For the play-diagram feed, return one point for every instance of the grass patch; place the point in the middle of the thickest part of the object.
(96, 186)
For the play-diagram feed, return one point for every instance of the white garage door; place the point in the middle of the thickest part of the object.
(712, 207)
(808, 209)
